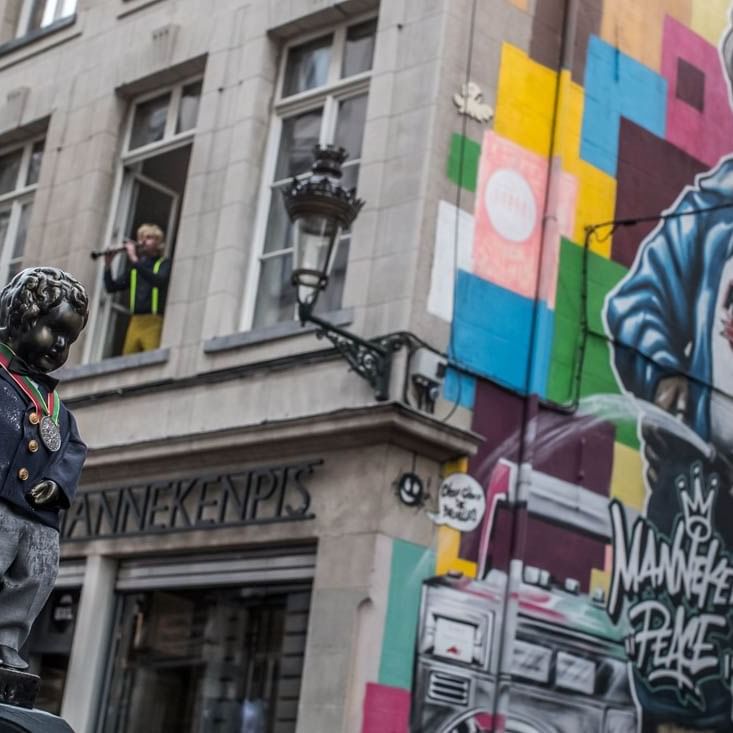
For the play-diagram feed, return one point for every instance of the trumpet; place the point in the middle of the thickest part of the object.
(115, 250)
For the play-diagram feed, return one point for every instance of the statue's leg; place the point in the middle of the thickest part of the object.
(10, 531)
(44, 566)
(28, 583)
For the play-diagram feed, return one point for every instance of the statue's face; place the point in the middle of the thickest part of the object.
(45, 343)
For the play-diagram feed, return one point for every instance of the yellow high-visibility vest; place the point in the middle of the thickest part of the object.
(156, 290)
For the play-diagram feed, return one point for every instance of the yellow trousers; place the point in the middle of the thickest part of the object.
(143, 333)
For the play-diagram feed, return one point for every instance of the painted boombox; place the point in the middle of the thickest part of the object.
(514, 653)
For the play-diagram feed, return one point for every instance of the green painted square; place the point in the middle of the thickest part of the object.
(567, 323)
(463, 148)
(560, 382)
(598, 376)
(411, 564)
(597, 365)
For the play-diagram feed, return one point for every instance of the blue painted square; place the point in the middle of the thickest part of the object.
(543, 351)
(617, 85)
(460, 388)
(491, 333)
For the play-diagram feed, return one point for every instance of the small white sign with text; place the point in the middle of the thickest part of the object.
(461, 503)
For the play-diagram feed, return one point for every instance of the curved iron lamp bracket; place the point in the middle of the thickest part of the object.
(371, 360)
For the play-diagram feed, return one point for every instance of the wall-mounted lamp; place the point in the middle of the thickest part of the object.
(320, 209)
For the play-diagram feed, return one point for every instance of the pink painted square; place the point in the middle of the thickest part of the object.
(559, 222)
(707, 133)
(510, 205)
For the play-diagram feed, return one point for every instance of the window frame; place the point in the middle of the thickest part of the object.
(24, 17)
(15, 200)
(99, 317)
(328, 96)
(171, 139)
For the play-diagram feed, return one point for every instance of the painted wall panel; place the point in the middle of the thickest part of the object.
(704, 130)
(617, 85)
(452, 252)
(606, 402)
(411, 564)
(637, 29)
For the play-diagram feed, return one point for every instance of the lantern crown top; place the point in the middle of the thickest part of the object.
(327, 160)
(322, 193)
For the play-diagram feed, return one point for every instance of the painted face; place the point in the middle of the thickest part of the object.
(151, 245)
(46, 342)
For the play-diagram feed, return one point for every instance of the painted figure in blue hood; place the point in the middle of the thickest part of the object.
(671, 315)
(671, 322)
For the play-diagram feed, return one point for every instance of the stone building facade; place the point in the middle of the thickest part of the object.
(228, 560)
(532, 534)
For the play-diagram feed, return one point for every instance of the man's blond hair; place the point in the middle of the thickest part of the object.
(144, 229)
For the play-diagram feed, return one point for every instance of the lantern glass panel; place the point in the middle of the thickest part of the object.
(315, 236)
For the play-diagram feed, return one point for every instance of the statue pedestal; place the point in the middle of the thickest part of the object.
(18, 692)
(18, 688)
(20, 720)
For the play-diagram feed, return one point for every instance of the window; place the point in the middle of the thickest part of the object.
(165, 116)
(19, 171)
(38, 14)
(323, 99)
(154, 166)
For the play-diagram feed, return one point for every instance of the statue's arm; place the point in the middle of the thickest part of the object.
(65, 469)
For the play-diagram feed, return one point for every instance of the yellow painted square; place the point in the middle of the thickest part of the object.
(710, 19)
(600, 579)
(569, 122)
(459, 465)
(596, 204)
(446, 557)
(627, 477)
(525, 101)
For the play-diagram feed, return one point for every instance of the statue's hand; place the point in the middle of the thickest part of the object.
(43, 493)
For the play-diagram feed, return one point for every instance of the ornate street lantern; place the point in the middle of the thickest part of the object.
(320, 209)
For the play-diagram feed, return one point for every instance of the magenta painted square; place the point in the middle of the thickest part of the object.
(703, 129)
(386, 709)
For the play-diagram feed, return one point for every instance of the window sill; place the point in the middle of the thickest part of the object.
(113, 364)
(286, 329)
(42, 33)
(134, 6)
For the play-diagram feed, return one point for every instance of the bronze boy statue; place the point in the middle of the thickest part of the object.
(42, 312)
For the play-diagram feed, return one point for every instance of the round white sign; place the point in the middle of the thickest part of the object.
(510, 204)
(461, 502)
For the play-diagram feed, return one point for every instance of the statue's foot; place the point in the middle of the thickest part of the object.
(10, 658)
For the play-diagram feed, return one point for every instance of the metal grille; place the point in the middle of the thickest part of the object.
(448, 688)
(244, 568)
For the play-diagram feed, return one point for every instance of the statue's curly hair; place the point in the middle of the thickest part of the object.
(35, 291)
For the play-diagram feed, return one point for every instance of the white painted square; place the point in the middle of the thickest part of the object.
(453, 251)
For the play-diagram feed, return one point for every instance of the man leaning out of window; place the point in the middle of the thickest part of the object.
(146, 278)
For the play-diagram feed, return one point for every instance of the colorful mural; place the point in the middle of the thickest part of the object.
(592, 337)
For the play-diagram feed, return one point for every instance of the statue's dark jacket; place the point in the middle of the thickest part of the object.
(16, 433)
